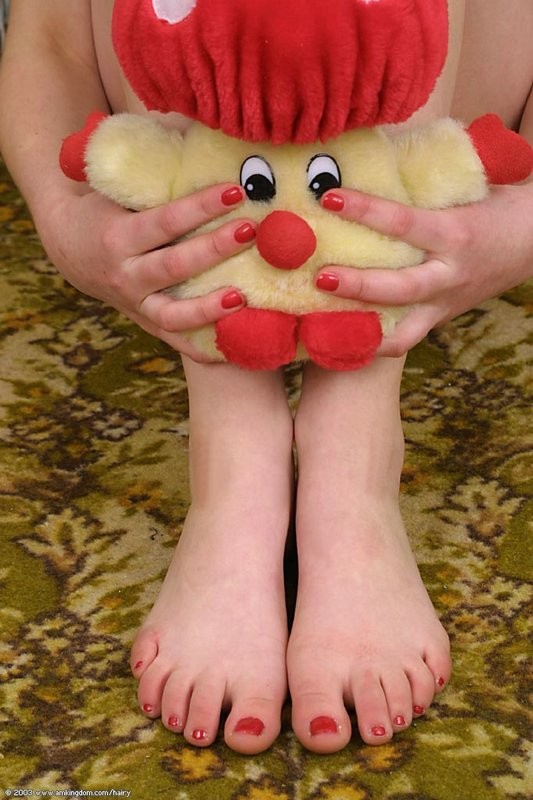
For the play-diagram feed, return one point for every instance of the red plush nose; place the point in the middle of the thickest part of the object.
(285, 240)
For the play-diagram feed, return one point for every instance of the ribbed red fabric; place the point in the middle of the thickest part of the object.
(283, 70)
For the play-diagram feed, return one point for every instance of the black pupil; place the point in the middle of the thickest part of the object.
(260, 188)
(323, 183)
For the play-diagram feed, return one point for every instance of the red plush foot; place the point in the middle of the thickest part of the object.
(506, 155)
(257, 338)
(72, 155)
(341, 340)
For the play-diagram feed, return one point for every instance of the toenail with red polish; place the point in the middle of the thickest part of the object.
(399, 721)
(323, 725)
(199, 735)
(138, 665)
(251, 725)
(418, 710)
(174, 722)
(378, 730)
(440, 681)
(148, 708)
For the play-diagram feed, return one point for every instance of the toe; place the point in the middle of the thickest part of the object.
(439, 662)
(423, 687)
(143, 652)
(319, 719)
(397, 689)
(205, 706)
(175, 701)
(253, 724)
(371, 707)
(151, 687)
(254, 721)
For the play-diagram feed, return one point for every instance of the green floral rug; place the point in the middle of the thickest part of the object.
(93, 491)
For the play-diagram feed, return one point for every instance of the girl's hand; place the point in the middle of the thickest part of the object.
(126, 259)
(473, 253)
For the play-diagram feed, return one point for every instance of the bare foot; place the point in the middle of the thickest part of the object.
(216, 636)
(365, 633)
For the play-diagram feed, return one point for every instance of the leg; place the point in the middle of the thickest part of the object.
(365, 633)
(216, 636)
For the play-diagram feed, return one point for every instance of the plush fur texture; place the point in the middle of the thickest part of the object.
(283, 70)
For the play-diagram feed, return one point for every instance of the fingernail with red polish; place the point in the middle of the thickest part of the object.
(230, 197)
(245, 234)
(174, 722)
(323, 725)
(251, 725)
(147, 708)
(200, 736)
(378, 730)
(399, 721)
(231, 299)
(333, 202)
(327, 281)
(418, 710)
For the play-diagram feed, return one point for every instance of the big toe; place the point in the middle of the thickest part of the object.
(254, 721)
(319, 717)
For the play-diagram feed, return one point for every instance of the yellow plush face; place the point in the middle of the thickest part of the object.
(290, 178)
(139, 163)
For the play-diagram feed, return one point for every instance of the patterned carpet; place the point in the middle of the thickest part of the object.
(93, 490)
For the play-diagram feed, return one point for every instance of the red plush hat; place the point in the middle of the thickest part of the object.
(283, 70)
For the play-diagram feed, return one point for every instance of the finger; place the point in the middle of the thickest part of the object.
(395, 287)
(158, 226)
(410, 331)
(426, 229)
(174, 316)
(176, 341)
(168, 266)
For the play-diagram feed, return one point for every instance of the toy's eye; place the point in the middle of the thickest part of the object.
(323, 173)
(173, 10)
(257, 179)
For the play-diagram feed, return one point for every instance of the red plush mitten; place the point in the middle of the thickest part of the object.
(72, 155)
(506, 155)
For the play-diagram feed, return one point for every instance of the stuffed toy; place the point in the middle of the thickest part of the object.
(291, 98)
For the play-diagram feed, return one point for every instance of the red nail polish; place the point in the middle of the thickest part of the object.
(147, 708)
(440, 681)
(378, 730)
(333, 202)
(199, 735)
(230, 197)
(399, 721)
(327, 281)
(418, 710)
(251, 725)
(138, 665)
(174, 722)
(231, 299)
(245, 233)
(323, 725)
